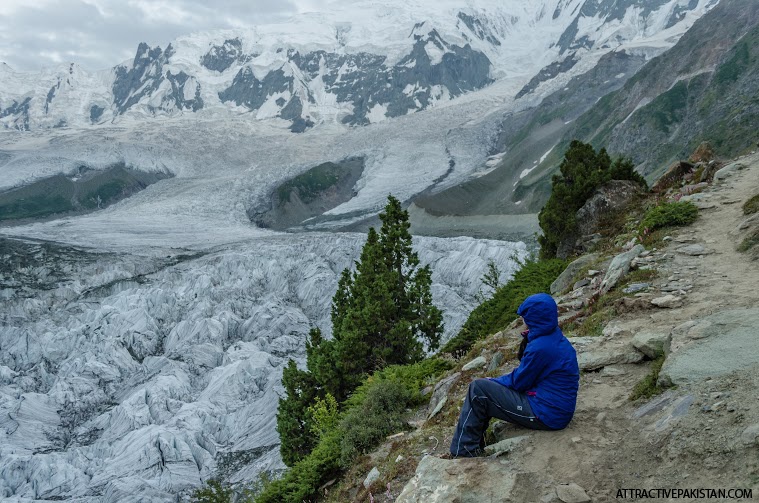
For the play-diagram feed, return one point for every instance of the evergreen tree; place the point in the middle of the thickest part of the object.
(294, 424)
(382, 314)
(582, 171)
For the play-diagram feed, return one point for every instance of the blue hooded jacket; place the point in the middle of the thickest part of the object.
(548, 372)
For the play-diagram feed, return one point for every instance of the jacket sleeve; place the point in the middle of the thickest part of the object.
(524, 377)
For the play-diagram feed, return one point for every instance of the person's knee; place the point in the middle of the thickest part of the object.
(479, 385)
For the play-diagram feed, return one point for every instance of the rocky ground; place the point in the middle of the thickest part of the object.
(692, 296)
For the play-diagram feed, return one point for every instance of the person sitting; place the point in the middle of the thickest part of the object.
(541, 393)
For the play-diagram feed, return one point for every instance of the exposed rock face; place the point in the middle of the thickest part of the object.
(466, 481)
(564, 281)
(613, 197)
(619, 266)
(367, 81)
(221, 57)
(145, 76)
(652, 344)
(731, 345)
(547, 73)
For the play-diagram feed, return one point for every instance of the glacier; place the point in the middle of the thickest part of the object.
(125, 377)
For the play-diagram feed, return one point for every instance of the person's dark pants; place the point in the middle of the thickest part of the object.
(487, 399)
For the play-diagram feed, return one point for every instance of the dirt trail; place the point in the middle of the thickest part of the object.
(691, 437)
(696, 435)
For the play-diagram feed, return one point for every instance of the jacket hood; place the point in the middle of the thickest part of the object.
(540, 314)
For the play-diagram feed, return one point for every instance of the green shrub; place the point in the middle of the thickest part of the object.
(749, 242)
(380, 414)
(751, 206)
(372, 412)
(648, 386)
(669, 215)
(214, 492)
(301, 482)
(496, 313)
(324, 414)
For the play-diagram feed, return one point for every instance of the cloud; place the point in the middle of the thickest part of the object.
(99, 34)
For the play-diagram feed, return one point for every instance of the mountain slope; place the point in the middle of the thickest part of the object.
(704, 88)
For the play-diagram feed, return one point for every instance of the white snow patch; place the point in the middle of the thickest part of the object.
(434, 52)
(377, 113)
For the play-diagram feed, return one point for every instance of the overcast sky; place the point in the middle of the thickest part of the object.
(99, 34)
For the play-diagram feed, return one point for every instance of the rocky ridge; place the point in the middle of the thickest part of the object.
(689, 301)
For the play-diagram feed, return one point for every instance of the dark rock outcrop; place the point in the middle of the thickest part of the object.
(611, 198)
(220, 57)
(366, 81)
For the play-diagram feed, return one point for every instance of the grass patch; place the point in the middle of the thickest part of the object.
(749, 242)
(311, 183)
(648, 387)
(669, 215)
(40, 206)
(497, 312)
(639, 276)
(751, 206)
(593, 325)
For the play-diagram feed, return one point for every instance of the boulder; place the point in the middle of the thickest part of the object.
(371, 477)
(495, 362)
(504, 446)
(694, 250)
(636, 287)
(565, 279)
(619, 266)
(600, 358)
(728, 170)
(673, 176)
(693, 188)
(594, 353)
(708, 172)
(652, 344)
(440, 394)
(467, 481)
(750, 435)
(572, 493)
(732, 346)
(612, 197)
(478, 362)
(667, 302)
(632, 304)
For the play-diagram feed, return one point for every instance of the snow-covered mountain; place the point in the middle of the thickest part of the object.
(355, 63)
